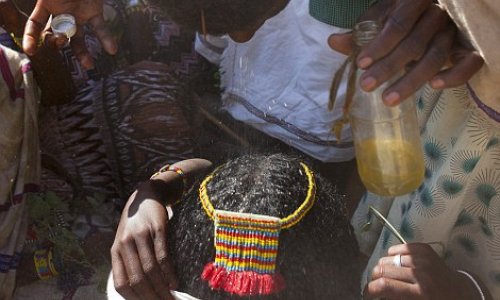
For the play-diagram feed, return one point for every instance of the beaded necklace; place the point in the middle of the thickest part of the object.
(246, 245)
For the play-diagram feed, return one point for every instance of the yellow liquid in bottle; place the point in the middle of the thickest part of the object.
(389, 167)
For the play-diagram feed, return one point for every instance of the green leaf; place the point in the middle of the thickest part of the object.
(67, 242)
(38, 209)
(42, 232)
(52, 199)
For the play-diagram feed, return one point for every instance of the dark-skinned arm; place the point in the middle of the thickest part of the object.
(141, 266)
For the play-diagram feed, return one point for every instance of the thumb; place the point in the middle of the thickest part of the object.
(341, 43)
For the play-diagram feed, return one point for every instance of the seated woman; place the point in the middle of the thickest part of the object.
(280, 231)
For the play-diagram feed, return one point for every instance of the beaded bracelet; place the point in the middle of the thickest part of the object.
(182, 175)
(168, 168)
(161, 170)
(478, 287)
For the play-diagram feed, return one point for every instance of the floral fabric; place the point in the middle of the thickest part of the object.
(457, 208)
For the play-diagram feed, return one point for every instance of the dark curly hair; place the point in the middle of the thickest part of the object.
(318, 257)
(221, 16)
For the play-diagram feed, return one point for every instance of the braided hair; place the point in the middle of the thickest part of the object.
(318, 257)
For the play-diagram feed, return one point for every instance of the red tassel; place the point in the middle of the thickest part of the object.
(242, 283)
(214, 275)
(208, 271)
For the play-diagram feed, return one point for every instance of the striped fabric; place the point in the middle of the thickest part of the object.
(6, 40)
(19, 159)
(246, 242)
(18, 198)
(339, 13)
(9, 262)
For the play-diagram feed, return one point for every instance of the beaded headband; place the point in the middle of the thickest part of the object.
(246, 245)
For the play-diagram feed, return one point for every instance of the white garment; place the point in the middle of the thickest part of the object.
(479, 21)
(279, 81)
(19, 159)
(112, 294)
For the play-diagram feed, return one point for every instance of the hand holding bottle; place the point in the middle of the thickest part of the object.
(386, 138)
(417, 35)
(84, 11)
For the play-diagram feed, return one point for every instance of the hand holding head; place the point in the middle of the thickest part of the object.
(141, 265)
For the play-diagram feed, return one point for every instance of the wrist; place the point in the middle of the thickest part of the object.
(470, 286)
(166, 191)
(171, 181)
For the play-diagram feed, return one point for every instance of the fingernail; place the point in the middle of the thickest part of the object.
(368, 83)
(437, 83)
(392, 98)
(365, 62)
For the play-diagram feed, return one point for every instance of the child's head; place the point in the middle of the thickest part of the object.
(238, 18)
(317, 257)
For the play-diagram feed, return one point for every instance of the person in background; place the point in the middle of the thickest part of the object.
(20, 162)
(317, 257)
(134, 110)
(19, 153)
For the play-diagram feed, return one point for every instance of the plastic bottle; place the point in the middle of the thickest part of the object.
(386, 139)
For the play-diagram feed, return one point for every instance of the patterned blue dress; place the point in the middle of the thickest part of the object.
(457, 208)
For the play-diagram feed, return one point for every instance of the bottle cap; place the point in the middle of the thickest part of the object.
(365, 32)
(64, 24)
